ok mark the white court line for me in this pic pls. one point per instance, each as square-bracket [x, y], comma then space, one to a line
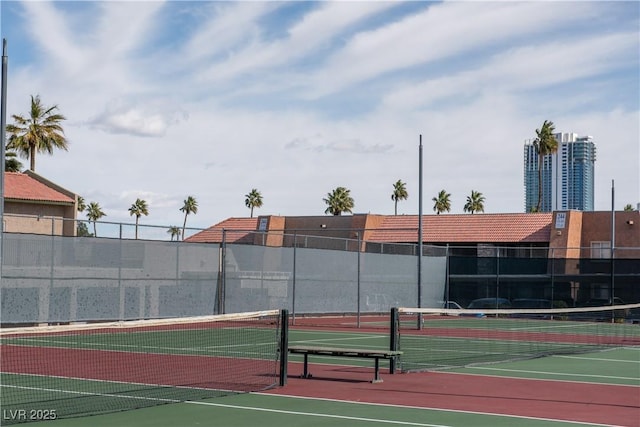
[339, 339]
[597, 358]
[421, 408]
[576, 381]
[554, 373]
[312, 414]
[347, 335]
[88, 393]
[128, 383]
[192, 351]
[316, 414]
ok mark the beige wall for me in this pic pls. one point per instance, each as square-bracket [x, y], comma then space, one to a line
[39, 218]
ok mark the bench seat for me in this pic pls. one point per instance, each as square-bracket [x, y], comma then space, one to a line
[344, 352]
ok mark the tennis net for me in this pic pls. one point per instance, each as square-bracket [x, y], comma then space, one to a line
[77, 370]
[433, 339]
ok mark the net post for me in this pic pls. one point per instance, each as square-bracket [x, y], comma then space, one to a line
[284, 346]
[393, 337]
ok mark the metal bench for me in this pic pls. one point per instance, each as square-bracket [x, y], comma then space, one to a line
[346, 352]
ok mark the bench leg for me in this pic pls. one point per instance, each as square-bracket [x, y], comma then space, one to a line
[305, 372]
[376, 377]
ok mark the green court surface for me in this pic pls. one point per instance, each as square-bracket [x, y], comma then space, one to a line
[259, 410]
[618, 366]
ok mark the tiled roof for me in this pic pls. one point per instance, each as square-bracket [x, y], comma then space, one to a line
[464, 228]
[21, 186]
[448, 228]
[236, 230]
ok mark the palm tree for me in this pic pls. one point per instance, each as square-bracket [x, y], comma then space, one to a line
[41, 132]
[190, 206]
[629, 207]
[545, 143]
[81, 229]
[253, 200]
[11, 164]
[174, 230]
[475, 202]
[399, 193]
[138, 208]
[82, 205]
[94, 213]
[442, 203]
[339, 201]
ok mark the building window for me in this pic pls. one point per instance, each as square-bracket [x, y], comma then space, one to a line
[600, 250]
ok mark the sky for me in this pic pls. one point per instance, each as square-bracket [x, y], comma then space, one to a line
[165, 100]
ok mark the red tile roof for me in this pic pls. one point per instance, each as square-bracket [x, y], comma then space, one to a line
[466, 228]
[236, 230]
[20, 186]
[448, 228]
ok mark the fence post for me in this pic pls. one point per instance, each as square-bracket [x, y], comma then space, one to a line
[284, 345]
[393, 337]
[293, 291]
[223, 272]
[498, 276]
[358, 279]
[552, 278]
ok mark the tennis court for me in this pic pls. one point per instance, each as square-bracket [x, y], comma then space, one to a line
[206, 366]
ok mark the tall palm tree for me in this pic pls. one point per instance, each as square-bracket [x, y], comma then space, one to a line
[190, 207]
[11, 163]
[40, 132]
[253, 200]
[174, 230]
[442, 202]
[475, 202]
[139, 208]
[339, 201]
[545, 143]
[94, 213]
[628, 207]
[399, 193]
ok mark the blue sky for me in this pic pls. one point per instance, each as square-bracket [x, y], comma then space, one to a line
[212, 99]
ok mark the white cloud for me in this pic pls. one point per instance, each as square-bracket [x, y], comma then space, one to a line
[445, 30]
[523, 69]
[136, 120]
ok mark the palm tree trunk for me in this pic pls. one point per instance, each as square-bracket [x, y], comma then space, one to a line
[137, 218]
[32, 158]
[539, 205]
[184, 224]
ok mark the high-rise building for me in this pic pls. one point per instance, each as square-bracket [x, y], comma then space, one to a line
[567, 175]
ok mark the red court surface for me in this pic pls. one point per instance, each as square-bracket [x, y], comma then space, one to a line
[560, 400]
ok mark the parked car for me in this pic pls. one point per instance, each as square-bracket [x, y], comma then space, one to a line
[489, 303]
[601, 302]
[633, 316]
[531, 303]
[601, 315]
[451, 305]
[485, 304]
